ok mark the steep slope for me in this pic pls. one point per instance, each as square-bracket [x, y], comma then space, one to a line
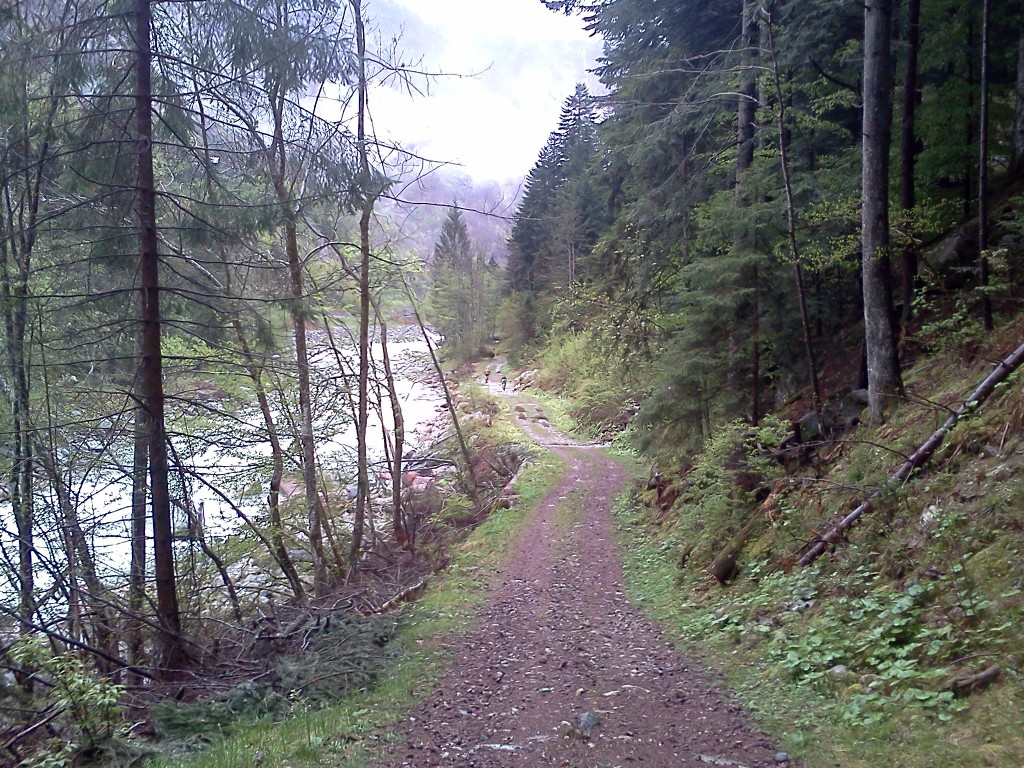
[902, 645]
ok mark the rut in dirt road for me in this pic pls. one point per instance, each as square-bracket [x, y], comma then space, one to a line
[563, 671]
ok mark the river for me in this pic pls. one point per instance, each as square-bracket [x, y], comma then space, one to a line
[220, 454]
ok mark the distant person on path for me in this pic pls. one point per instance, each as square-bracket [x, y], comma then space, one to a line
[504, 382]
[487, 375]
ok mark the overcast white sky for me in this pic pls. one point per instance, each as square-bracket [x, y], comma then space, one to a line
[527, 61]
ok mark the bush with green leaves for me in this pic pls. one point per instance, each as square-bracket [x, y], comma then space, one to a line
[723, 484]
[872, 647]
[889, 652]
[602, 389]
[90, 705]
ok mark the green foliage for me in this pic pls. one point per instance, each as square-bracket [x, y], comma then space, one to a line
[859, 659]
[515, 320]
[951, 319]
[887, 645]
[721, 488]
[837, 656]
[603, 391]
[463, 292]
[91, 704]
[562, 210]
[947, 327]
[691, 261]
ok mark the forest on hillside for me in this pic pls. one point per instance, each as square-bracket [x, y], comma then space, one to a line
[781, 253]
[765, 193]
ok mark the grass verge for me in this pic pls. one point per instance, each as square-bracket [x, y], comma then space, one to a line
[806, 714]
[358, 731]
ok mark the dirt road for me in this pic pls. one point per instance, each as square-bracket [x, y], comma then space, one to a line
[563, 671]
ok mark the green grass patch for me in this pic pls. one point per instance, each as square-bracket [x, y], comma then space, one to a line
[358, 731]
[556, 409]
[783, 639]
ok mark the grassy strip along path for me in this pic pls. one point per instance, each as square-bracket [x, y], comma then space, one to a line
[354, 733]
[561, 669]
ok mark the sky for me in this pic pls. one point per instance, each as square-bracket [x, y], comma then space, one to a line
[509, 64]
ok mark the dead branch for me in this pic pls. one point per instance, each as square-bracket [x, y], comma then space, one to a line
[71, 642]
[923, 452]
[409, 593]
[24, 733]
[966, 684]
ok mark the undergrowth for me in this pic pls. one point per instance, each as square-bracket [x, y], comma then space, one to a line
[299, 731]
[601, 392]
[843, 667]
[871, 656]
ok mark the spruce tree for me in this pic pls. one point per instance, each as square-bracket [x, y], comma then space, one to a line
[456, 295]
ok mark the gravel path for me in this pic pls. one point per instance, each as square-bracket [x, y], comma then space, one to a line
[563, 671]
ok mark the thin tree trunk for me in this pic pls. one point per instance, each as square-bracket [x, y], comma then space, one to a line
[332, 540]
[80, 560]
[755, 391]
[20, 481]
[746, 112]
[398, 524]
[22, 191]
[171, 648]
[1018, 115]
[16, 245]
[306, 439]
[26, 170]
[81, 564]
[746, 108]
[449, 403]
[908, 152]
[363, 476]
[279, 550]
[397, 518]
[279, 163]
[884, 381]
[983, 280]
[137, 569]
[970, 132]
[197, 532]
[801, 290]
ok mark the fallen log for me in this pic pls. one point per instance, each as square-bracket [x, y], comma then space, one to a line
[966, 684]
[923, 452]
[409, 593]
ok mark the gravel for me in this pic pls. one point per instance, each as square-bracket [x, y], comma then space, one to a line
[564, 671]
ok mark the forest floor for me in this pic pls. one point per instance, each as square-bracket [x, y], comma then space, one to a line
[562, 670]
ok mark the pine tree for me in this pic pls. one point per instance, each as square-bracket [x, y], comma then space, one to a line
[457, 298]
[563, 209]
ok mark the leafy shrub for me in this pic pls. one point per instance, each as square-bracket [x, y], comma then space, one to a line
[91, 705]
[726, 478]
[602, 390]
